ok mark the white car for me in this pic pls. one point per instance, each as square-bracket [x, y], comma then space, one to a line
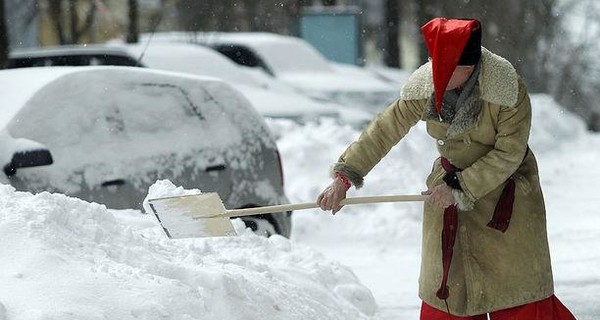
[105, 134]
[271, 98]
[295, 62]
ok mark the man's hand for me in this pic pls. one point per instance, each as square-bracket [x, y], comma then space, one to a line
[440, 195]
[331, 197]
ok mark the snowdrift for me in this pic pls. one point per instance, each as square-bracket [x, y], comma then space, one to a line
[63, 258]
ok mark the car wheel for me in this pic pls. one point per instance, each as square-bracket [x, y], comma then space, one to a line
[261, 227]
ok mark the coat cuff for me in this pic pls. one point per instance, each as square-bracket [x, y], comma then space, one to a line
[463, 202]
[348, 172]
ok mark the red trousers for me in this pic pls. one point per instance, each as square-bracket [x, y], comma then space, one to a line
[547, 309]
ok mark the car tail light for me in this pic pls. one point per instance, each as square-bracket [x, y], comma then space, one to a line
[280, 166]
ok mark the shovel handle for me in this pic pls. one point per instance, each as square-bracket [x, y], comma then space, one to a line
[312, 205]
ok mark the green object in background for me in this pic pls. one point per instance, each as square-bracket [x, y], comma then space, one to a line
[334, 33]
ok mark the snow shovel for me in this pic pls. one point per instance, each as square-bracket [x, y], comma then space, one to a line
[203, 215]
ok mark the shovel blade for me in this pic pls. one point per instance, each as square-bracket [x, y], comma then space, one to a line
[192, 216]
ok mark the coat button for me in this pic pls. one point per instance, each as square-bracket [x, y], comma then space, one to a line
[440, 142]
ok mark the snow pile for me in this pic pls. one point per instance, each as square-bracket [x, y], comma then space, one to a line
[552, 125]
[64, 258]
[308, 153]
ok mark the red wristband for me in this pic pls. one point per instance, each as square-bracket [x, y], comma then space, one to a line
[344, 180]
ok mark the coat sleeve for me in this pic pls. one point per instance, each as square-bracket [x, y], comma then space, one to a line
[389, 127]
[510, 147]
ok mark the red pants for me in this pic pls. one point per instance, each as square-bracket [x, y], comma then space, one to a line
[547, 309]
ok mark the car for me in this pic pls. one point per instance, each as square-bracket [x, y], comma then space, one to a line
[295, 62]
[105, 134]
[270, 98]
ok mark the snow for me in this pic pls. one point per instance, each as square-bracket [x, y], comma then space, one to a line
[15, 94]
[63, 258]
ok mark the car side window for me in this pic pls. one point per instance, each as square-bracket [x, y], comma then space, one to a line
[26, 62]
[73, 60]
[243, 56]
[239, 55]
[115, 60]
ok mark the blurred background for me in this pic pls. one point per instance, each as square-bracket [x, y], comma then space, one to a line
[551, 42]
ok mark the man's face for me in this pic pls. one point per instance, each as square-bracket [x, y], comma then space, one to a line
[460, 75]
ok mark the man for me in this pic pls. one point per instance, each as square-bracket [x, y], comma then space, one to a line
[484, 248]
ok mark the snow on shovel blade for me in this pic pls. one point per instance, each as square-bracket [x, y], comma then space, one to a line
[198, 215]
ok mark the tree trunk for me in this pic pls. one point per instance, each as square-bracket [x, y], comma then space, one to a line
[423, 16]
[55, 12]
[132, 30]
[73, 20]
[3, 38]
[392, 27]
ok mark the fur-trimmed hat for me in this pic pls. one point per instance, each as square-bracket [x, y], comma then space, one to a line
[450, 42]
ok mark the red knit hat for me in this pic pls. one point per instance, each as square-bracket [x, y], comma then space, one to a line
[446, 39]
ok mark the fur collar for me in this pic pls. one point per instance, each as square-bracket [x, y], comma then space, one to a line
[462, 117]
[498, 81]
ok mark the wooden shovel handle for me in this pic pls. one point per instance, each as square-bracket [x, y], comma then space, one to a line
[312, 205]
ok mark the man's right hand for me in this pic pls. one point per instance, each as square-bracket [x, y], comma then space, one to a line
[331, 197]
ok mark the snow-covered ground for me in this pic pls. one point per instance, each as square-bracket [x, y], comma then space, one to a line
[63, 258]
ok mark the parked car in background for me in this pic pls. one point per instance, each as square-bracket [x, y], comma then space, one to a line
[105, 134]
[271, 98]
[295, 62]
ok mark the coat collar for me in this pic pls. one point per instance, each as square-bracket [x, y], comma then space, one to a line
[463, 116]
[498, 81]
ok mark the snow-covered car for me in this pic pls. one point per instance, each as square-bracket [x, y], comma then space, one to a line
[271, 98]
[295, 62]
[105, 134]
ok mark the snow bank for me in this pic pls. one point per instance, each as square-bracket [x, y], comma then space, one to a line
[63, 258]
[552, 125]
